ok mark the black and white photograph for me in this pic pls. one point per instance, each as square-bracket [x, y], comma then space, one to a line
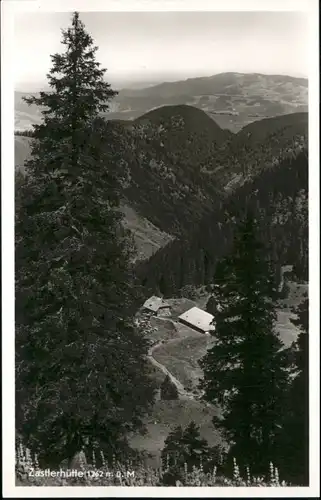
[160, 241]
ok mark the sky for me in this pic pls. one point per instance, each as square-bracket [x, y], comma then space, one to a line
[166, 46]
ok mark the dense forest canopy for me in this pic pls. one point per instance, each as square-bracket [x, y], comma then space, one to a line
[280, 200]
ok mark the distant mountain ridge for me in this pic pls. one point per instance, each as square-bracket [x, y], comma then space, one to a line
[228, 83]
[232, 99]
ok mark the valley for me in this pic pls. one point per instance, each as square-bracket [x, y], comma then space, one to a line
[189, 171]
[175, 351]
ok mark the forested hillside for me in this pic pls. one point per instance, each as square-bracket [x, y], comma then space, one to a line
[177, 163]
[278, 196]
[265, 144]
[170, 147]
[181, 163]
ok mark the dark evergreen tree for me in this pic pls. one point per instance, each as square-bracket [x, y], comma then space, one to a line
[173, 452]
[185, 448]
[168, 390]
[211, 305]
[81, 372]
[24, 133]
[196, 449]
[295, 435]
[246, 372]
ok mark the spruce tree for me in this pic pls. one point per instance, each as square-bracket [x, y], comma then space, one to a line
[246, 372]
[173, 453]
[81, 372]
[185, 447]
[195, 448]
[168, 390]
[295, 433]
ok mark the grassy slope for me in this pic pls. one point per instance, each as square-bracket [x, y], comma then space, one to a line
[180, 357]
[148, 238]
[167, 415]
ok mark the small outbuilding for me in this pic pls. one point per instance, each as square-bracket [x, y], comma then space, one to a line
[197, 319]
[157, 306]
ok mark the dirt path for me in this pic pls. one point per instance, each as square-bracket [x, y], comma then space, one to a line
[183, 393]
[180, 388]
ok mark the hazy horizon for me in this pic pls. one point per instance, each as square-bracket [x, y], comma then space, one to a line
[142, 48]
[131, 84]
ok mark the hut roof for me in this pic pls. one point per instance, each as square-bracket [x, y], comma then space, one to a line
[155, 303]
[198, 318]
